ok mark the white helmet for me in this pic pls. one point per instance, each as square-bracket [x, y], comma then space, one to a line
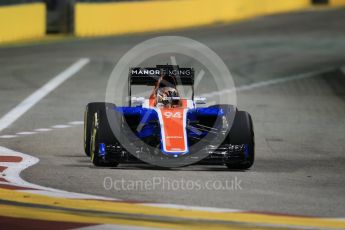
[168, 96]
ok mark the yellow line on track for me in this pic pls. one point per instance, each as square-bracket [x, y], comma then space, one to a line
[49, 215]
[185, 216]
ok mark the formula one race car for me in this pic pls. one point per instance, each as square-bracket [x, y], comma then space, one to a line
[165, 129]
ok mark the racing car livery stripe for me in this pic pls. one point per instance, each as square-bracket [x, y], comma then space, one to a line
[173, 129]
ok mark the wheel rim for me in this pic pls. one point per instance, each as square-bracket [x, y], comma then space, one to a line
[93, 138]
[85, 128]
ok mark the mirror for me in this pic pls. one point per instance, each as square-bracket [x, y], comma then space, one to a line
[137, 100]
[200, 100]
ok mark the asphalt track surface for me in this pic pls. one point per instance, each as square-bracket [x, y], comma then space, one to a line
[299, 124]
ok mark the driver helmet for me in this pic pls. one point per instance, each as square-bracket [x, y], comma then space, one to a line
[168, 97]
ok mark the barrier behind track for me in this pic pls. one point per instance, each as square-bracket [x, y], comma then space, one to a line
[23, 21]
[94, 19]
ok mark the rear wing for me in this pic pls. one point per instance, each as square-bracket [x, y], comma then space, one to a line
[149, 76]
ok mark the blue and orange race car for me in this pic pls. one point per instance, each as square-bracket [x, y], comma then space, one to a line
[165, 129]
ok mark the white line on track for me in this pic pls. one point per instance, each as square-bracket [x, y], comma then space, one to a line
[76, 122]
[42, 130]
[30, 101]
[267, 83]
[25, 133]
[12, 175]
[60, 126]
[8, 136]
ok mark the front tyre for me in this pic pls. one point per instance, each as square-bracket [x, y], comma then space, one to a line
[89, 113]
[242, 133]
[100, 133]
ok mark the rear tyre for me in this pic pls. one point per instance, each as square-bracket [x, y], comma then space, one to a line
[242, 133]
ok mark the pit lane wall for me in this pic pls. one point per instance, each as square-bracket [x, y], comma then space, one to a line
[100, 19]
[22, 22]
